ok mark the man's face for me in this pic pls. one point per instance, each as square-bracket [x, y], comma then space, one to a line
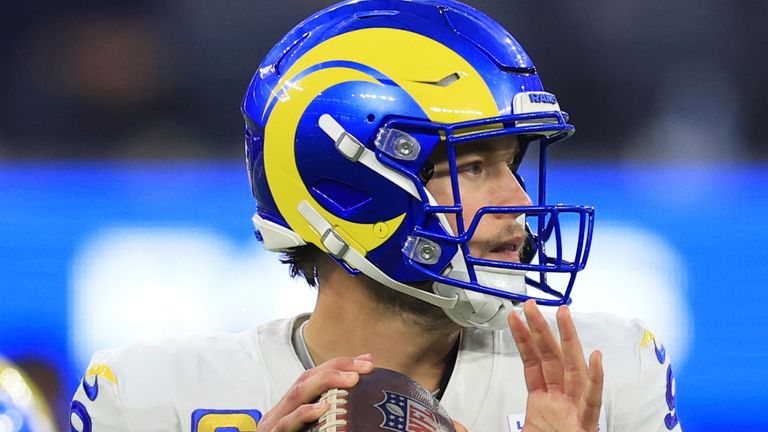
[486, 178]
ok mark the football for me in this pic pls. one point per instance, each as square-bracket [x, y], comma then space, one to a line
[383, 400]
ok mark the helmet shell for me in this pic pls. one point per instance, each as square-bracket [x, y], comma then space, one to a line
[367, 64]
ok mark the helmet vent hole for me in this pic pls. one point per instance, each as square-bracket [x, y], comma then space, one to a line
[443, 82]
[448, 80]
[371, 118]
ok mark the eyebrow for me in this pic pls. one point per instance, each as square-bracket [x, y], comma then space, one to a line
[484, 149]
[468, 149]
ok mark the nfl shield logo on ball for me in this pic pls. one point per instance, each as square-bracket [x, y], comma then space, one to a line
[404, 414]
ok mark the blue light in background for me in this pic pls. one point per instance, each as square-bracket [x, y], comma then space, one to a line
[712, 215]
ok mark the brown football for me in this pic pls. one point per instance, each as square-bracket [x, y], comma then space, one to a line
[383, 400]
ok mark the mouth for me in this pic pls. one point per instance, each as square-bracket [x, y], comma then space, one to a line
[507, 250]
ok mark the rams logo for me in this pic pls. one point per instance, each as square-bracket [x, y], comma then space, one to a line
[204, 420]
[542, 98]
[345, 67]
[661, 353]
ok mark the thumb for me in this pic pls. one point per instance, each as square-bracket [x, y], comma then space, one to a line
[459, 427]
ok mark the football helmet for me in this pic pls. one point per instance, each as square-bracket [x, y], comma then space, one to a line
[341, 119]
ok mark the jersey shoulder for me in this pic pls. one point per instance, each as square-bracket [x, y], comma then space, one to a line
[608, 333]
[147, 385]
[639, 388]
[639, 391]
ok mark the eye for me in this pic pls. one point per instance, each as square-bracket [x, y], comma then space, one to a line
[473, 168]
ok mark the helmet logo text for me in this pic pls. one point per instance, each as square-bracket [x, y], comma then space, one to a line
[542, 98]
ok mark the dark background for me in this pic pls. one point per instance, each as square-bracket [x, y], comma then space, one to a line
[657, 79]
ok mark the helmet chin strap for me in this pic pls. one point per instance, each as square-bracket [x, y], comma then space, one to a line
[479, 310]
[467, 308]
[474, 309]
[337, 247]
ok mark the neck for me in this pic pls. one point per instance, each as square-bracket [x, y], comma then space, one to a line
[347, 321]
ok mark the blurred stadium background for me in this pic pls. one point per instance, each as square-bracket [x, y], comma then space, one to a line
[124, 205]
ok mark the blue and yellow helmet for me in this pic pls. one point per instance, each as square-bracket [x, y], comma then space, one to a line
[340, 120]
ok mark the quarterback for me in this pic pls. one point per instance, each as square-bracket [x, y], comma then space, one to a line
[386, 142]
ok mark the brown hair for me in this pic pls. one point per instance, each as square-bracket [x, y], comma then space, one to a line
[304, 261]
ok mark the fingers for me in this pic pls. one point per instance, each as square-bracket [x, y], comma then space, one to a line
[551, 355]
[311, 388]
[459, 427]
[593, 395]
[529, 354]
[296, 407]
[573, 356]
[342, 372]
[558, 367]
[301, 416]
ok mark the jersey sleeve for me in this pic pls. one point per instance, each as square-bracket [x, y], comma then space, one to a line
[656, 409]
[96, 405]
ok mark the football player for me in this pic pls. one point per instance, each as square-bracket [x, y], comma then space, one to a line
[385, 143]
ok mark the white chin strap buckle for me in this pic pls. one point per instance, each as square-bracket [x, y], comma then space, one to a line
[479, 310]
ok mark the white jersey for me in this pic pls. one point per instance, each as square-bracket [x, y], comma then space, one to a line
[229, 380]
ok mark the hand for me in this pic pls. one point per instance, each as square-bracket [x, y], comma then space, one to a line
[459, 427]
[296, 408]
[563, 394]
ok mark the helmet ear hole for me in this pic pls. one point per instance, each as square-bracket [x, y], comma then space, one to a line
[371, 118]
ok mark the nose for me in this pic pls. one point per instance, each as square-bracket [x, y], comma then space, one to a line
[510, 191]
